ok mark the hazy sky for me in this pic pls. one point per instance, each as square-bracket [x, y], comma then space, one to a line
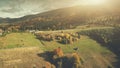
[18, 8]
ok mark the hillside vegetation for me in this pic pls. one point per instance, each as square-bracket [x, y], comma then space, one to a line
[90, 50]
[65, 18]
[31, 41]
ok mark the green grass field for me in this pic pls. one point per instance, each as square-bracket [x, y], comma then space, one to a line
[85, 44]
[14, 40]
[94, 54]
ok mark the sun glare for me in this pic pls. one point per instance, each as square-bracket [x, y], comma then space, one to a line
[91, 2]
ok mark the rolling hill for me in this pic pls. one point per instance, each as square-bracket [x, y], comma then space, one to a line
[66, 18]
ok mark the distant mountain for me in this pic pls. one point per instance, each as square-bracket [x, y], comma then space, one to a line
[69, 17]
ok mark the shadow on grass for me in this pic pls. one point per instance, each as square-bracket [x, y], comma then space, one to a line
[112, 43]
[63, 62]
[48, 56]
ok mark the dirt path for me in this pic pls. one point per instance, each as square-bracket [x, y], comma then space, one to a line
[21, 58]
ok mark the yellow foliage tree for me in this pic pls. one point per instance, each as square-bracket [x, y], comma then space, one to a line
[76, 60]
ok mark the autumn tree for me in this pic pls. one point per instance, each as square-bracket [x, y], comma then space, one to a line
[58, 52]
[76, 60]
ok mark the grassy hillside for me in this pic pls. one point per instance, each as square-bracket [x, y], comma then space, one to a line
[94, 55]
[108, 38]
[13, 40]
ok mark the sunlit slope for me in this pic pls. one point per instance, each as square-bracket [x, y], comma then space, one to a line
[13, 40]
[21, 58]
[70, 17]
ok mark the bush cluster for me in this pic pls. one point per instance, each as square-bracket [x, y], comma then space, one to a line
[61, 37]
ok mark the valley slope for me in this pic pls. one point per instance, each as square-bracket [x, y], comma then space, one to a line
[67, 18]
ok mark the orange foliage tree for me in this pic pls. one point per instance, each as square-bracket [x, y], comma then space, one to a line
[58, 52]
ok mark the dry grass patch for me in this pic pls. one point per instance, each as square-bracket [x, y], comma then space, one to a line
[21, 58]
